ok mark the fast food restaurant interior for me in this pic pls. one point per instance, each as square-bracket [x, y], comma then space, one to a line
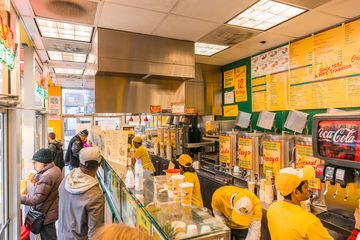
[180, 119]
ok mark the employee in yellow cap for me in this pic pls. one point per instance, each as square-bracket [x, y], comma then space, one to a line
[185, 163]
[287, 219]
[241, 211]
[142, 153]
[131, 136]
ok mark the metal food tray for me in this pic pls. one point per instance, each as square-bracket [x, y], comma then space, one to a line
[337, 222]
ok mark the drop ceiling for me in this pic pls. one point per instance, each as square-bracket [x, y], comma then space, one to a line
[194, 20]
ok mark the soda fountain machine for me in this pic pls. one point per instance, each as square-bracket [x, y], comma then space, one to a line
[336, 141]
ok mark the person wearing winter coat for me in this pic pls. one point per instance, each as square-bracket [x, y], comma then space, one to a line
[45, 197]
[81, 207]
[74, 147]
[56, 148]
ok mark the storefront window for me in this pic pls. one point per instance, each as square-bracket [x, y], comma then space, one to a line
[3, 181]
[77, 101]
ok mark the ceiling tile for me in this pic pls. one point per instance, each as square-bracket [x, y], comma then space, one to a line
[212, 60]
[307, 23]
[228, 35]
[70, 10]
[59, 64]
[156, 5]
[33, 32]
[129, 19]
[218, 11]
[184, 28]
[308, 4]
[237, 53]
[272, 40]
[66, 45]
[343, 8]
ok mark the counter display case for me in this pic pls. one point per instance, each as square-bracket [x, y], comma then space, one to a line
[152, 210]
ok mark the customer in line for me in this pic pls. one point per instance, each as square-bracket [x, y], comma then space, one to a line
[45, 197]
[121, 232]
[185, 163]
[81, 205]
[142, 153]
[240, 210]
[56, 148]
[74, 147]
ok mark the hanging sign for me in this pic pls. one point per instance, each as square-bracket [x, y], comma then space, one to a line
[245, 153]
[231, 110]
[155, 108]
[225, 149]
[240, 84]
[229, 78]
[7, 45]
[272, 156]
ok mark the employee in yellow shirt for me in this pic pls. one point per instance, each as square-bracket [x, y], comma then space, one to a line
[185, 163]
[142, 153]
[241, 211]
[287, 219]
[131, 136]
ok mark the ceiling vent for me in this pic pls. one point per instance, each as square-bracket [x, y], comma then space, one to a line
[60, 45]
[66, 10]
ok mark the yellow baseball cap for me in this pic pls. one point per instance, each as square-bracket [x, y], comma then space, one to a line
[137, 139]
[289, 179]
[131, 134]
[242, 210]
[185, 160]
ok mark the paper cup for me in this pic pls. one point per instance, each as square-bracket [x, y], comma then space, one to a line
[186, 189]
[176, 180]
[169, 174]
[269, 175]
[251, 186]
[269, 194]
[306, 205]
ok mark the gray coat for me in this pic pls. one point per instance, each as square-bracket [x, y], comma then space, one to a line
[45, 197]
[81, 207]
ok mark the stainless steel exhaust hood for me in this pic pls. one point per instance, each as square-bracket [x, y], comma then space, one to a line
[143, 56]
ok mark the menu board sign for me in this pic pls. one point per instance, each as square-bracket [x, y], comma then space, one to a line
[245, 153]
[305, 157]
[225, 149]
[272, 156]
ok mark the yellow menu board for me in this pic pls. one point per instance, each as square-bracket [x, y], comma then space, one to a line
[245, 153]
[231, 110]
[229, 78]
[301, 52]
[305, 157]
[272, 156]
[225, 149]
[240, 84]
[276, 91]
[258, 92]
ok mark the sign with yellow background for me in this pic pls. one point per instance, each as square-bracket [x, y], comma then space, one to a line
[229, 78]
[240, 84]
[231, 110]
[245, 153]
[225, 149]
[305, 157]
[272, 156]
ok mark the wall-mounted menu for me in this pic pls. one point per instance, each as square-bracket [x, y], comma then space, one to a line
[323, 72]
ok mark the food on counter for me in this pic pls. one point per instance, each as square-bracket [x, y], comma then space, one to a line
[152, 207]
[179, 226]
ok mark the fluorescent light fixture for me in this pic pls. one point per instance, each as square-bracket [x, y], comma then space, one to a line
[68, 71]
[207, 49]
[66, 56]
[265, 14]
[53, 29]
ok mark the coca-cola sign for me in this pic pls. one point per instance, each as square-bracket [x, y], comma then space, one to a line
[339, 139]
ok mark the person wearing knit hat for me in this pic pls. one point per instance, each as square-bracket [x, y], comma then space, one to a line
[74, 147]
[81, 203]
[185, 163]
[45, 195]
[142, 153]
[287, 219]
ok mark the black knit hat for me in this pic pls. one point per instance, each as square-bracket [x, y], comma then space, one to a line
[43, 155]
[84, 132]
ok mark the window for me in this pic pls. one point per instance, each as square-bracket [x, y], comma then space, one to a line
[77, 101]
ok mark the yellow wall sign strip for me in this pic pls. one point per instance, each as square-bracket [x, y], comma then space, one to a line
[240, 84]
[231, 110]
[229, 78]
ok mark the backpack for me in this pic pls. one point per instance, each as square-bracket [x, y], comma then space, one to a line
[58, 156]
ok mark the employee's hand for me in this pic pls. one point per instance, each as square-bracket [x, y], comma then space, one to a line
[357, 218]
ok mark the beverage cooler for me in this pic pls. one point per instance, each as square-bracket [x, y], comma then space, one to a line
[249, 155]
[337, 142]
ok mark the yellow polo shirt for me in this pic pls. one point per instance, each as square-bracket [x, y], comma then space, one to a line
[221, 202]
[196, 199]
[143, 154]
[290, 221]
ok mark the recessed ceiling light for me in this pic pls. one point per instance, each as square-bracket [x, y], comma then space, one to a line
[265, 14]
[53, 29]
[66, 56]
[68, 71]
[207, 49]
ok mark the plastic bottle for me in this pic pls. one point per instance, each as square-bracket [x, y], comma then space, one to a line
[139, 174]
[129, 180]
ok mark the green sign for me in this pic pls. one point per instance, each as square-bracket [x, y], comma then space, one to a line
[41, 93]
[7, 57]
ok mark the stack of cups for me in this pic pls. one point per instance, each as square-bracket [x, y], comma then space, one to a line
[161, 149]
[251, 186]
[156, 147]
[262, 190]
[168, 152]
[176, 180]
[169, 174]
[306, 205]
[186, 190]
[269, 194]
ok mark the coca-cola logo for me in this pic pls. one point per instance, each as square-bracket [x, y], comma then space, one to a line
[341, 135]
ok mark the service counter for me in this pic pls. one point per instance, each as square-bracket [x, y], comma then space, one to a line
[153, 211]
